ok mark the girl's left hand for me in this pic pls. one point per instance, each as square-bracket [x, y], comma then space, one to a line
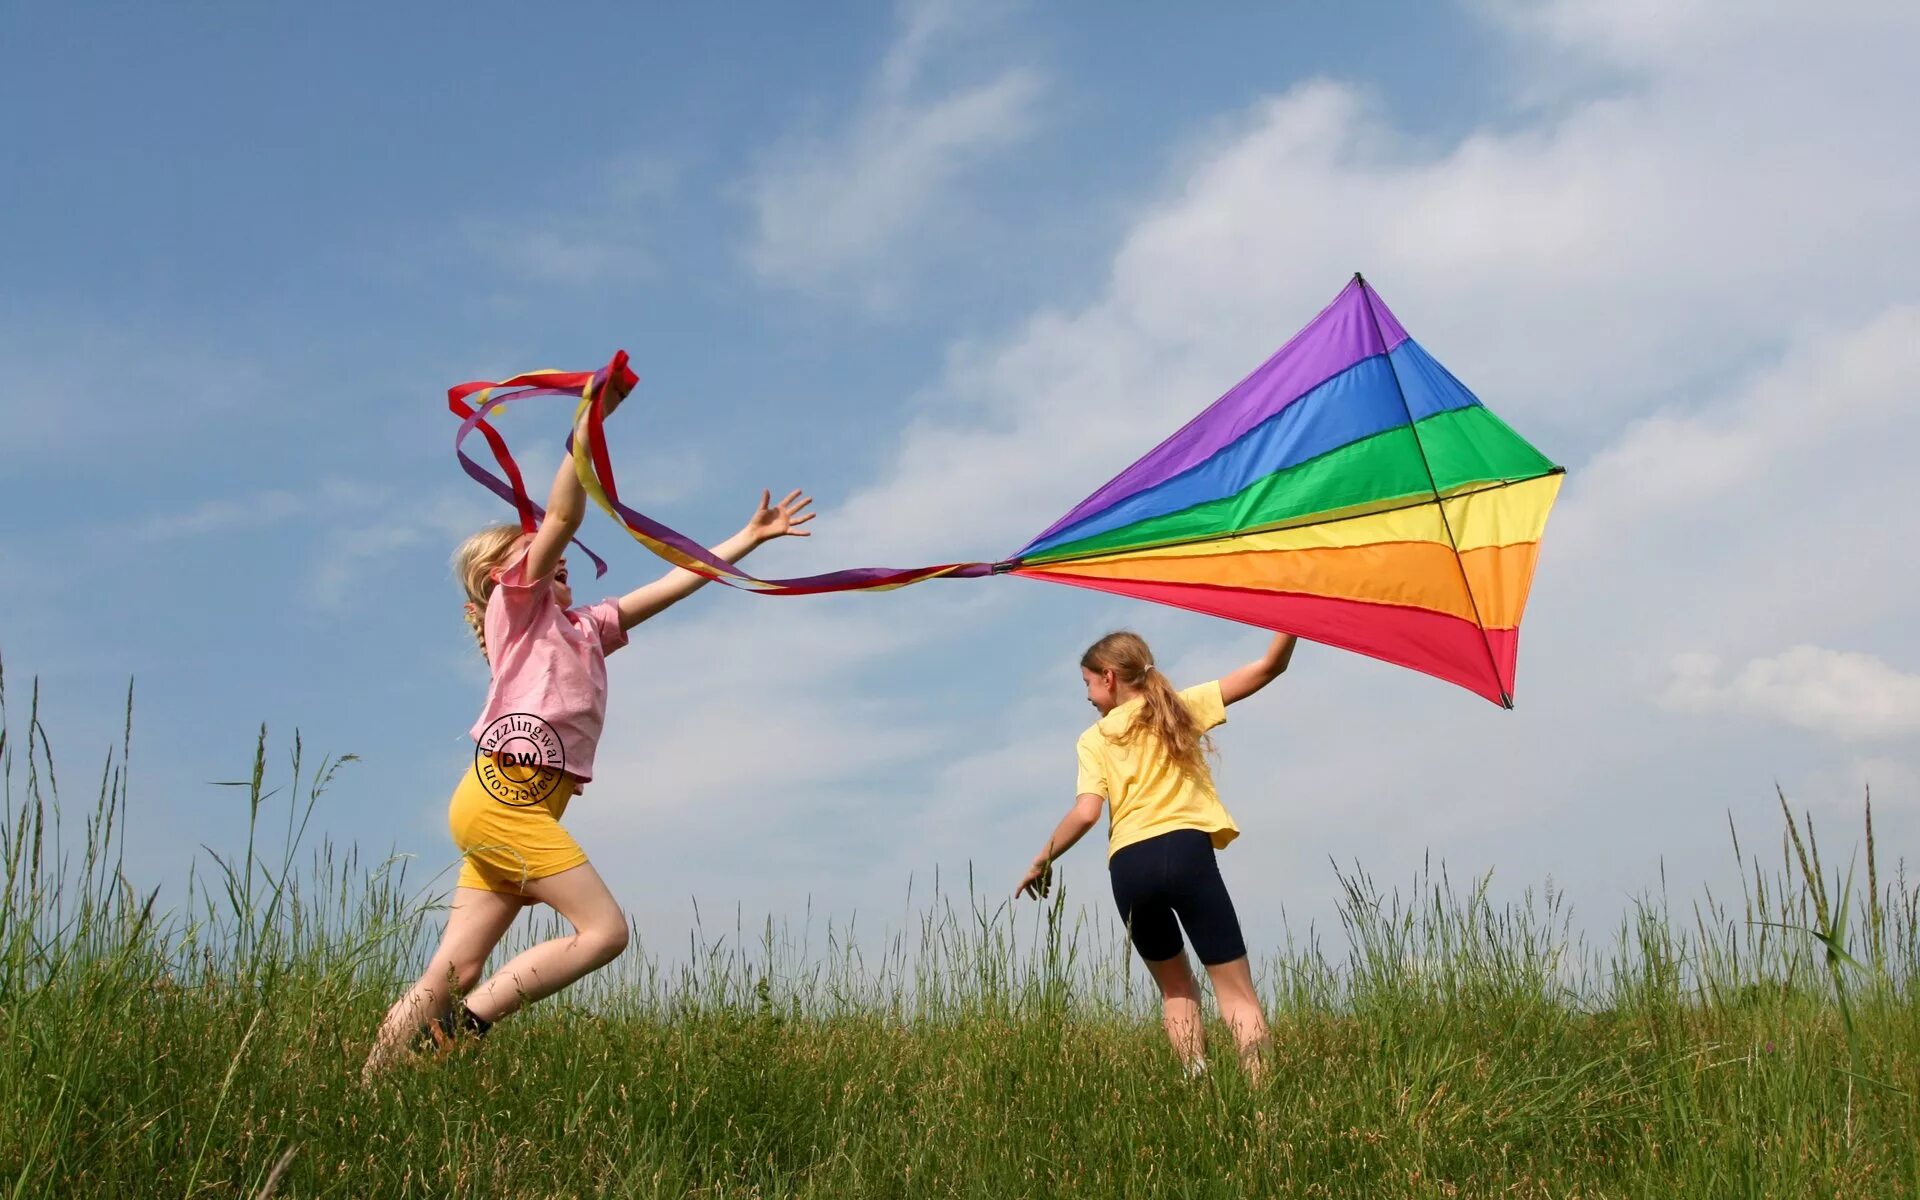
[780, 520]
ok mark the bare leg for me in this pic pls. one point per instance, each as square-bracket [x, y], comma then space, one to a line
[1240, 1009]
[1180, 1009]
[475, 926]
[599, 935]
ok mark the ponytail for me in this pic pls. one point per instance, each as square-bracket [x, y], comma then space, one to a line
[1162, 714]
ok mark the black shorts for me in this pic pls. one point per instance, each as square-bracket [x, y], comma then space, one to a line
[1176, 875]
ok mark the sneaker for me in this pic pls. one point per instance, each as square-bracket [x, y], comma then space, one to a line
[447, 1029]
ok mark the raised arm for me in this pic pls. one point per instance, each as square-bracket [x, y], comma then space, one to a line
[769, 521]
[1242, 682]
[566, 508]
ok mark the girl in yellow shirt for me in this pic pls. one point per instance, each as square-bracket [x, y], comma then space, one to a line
[1146, 757]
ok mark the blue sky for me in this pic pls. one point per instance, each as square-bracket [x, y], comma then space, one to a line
[950, 267]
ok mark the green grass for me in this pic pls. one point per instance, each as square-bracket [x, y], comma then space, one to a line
[1768, 1045]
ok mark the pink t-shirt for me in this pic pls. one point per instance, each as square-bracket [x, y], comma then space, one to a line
[549, 662]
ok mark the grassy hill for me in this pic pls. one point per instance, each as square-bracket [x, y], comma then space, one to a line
[1450, 1047]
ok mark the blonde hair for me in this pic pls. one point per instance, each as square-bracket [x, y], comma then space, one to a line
[474, 564]
[1162, 715]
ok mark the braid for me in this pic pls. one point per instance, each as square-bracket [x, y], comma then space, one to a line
[477, 621]
[474, 564]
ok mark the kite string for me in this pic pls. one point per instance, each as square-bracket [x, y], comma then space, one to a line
[595, 466]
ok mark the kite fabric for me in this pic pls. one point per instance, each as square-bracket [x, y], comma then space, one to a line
[1350, 491]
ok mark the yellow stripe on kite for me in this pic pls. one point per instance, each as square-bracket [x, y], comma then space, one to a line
[1411, 574]
[1503, 516]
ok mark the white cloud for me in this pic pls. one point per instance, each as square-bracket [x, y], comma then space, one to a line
[1577, 270]
[1775, 505]
[850, 210]
[1672, 33]
[730, 695]
[1849, 695]
[1351, 759]
[1693, 286]
[1690, 294]
[743, 737]
[1830, 392]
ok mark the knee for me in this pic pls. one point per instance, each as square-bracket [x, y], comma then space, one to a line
[1180, 993]
[1233, 983]
[605, 942]
[457, 974]
[1176, 981]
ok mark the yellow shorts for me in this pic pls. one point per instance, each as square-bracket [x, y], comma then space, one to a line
[506, 845]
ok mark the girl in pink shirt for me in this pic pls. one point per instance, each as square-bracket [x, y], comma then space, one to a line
[533, 751]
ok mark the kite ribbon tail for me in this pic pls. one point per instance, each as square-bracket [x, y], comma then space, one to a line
[513, 489]
[595, 469]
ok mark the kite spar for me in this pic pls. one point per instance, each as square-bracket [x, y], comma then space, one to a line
[1350, 491]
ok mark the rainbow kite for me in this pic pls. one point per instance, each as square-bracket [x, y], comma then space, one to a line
[1350, 491]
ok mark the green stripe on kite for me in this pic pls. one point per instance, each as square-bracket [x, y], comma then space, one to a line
[1462, 447]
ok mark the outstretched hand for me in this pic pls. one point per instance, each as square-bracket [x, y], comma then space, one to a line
[780, 520]
[1038, 880]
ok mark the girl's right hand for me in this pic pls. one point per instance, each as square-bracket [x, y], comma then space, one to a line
[611, 398]
[1038, 880]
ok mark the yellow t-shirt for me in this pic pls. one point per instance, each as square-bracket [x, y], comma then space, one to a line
[1146, 794]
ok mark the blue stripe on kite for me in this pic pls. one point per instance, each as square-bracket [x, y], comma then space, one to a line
[1429, 387]
[1358, 403]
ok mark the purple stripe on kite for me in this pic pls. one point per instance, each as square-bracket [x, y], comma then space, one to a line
[1343, 334]
[1370, 397]
[1390, 327]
